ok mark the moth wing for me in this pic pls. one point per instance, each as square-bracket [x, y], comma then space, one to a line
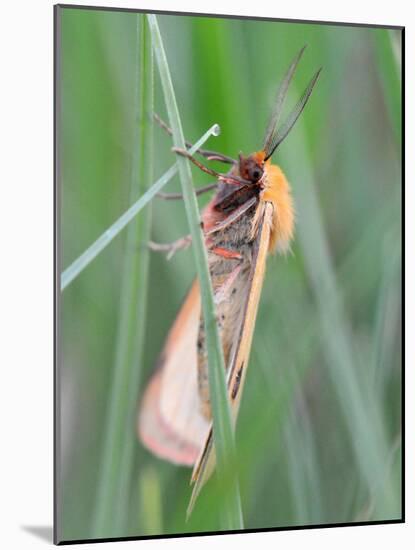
[206, 460]
[170, 423]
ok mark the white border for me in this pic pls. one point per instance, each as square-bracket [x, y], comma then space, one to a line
[26, 272]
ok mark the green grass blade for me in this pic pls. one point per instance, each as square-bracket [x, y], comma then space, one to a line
[386, 321]
[361, 415]
[112, 510]
[390, 75]
[76, 267]
[150, 501]
[222, 426]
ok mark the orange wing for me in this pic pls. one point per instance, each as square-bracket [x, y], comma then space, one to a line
[170, 423]
[242, 345]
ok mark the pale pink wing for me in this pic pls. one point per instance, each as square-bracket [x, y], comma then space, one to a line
[170, 423]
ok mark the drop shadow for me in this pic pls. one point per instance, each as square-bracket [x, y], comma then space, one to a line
[44, 532]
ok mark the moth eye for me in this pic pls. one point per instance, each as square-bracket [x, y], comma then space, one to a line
[256, 174]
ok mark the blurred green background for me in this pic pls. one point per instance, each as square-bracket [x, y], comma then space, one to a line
[319, 431]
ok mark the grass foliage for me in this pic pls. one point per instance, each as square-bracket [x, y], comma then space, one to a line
[221, 414]
[318, 438]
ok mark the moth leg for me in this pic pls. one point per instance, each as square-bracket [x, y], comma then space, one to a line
[201, 166]
[171, 248]
[175, 196]
[225, 178]
[209, 155]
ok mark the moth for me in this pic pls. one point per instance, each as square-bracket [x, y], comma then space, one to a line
[250, 216]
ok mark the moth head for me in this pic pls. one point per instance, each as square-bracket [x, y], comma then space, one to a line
[251, 168]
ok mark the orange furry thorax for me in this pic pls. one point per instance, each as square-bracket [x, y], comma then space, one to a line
[277, 191]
